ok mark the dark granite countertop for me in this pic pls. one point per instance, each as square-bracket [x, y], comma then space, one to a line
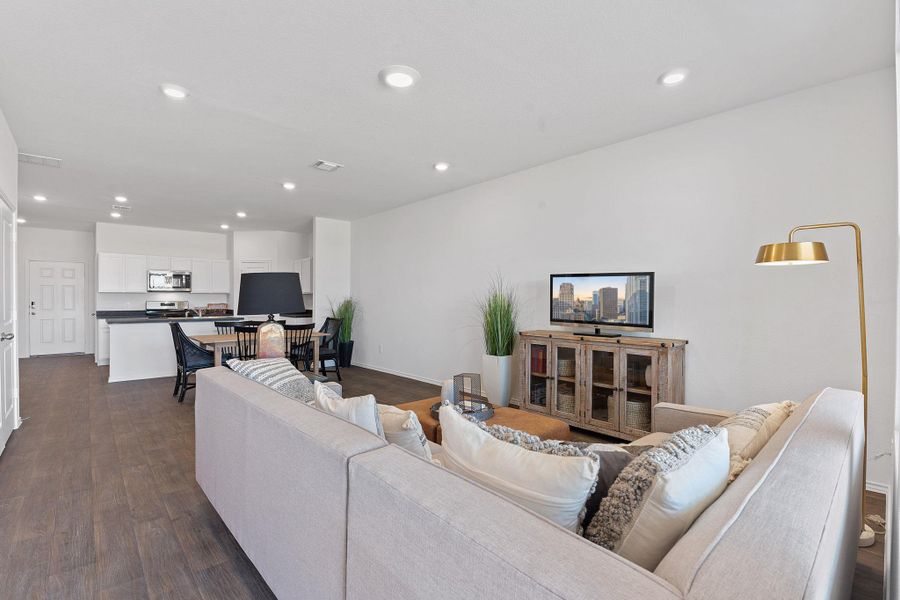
[146, 319]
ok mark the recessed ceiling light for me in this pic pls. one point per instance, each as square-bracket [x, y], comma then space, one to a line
[399, 76]
[40, 198]
[241, 214]
[224, 225]
[115, 215]
[20, 220]
[121, 199]
[288, 185]
[441, 166]
[174, 91]
[673, 77]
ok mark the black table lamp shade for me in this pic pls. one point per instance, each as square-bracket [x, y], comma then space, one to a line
[270, 293]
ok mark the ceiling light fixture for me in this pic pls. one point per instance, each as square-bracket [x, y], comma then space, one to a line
[40, 198]
[672, 78]
[288, 185]
[224, 226]
[441, 166]
[240, 214]
[173, 91]
[399, 77]
[20, 220]
[121, 199]
[115, 215]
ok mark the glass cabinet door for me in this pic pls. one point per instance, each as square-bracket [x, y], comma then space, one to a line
[602, 389]
[537, 376]
[639, 389]
[566, 378]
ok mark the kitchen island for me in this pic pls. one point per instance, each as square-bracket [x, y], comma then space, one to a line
[142, 347]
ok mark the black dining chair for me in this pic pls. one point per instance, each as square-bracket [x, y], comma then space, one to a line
[191, 357]
[297, 342]
[328, 345]
[225, 328]
[246, 340]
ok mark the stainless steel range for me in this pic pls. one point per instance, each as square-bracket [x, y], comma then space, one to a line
[162, 310]
[168, 281]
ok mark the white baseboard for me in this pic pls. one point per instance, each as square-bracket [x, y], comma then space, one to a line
[879, 488]
[398, 373]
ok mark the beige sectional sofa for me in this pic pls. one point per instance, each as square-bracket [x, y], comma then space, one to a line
[325, 509]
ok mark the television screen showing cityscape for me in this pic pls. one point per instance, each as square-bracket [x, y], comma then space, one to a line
[622, 299]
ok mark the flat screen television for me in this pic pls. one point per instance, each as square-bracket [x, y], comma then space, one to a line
[606, 301]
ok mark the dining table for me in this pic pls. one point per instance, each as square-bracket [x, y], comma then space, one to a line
[217, 342]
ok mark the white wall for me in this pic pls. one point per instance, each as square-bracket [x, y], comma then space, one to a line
[282, 248]
[331, 265]
[158, 241]
[36, 243]
[692, 203]
[9, 164]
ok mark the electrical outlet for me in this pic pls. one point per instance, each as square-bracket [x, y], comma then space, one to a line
[380, 348]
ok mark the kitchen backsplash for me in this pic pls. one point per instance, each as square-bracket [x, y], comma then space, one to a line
[137, 301]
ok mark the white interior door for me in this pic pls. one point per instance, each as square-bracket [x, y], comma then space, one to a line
[8, 361]
[57, 307]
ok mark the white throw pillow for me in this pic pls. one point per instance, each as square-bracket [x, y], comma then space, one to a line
[750, 429]
[360, 410]
[553, 486]
[660, 493]
[402, 427]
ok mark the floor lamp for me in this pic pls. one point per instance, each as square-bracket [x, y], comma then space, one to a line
[811, 253]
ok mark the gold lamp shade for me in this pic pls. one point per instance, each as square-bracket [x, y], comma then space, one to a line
[792, 253]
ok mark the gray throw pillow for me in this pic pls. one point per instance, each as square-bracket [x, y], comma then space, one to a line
[278, 374]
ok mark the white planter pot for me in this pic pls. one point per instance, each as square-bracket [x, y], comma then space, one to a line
[496, 378]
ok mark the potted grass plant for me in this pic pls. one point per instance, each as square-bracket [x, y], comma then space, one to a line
[346, 311]
[499, 311]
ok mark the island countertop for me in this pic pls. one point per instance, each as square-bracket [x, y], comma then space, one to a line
[145, 319]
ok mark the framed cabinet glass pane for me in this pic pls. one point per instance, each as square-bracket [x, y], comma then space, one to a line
[639, 391]
[602, 389]
[566, 378]
[538, 376]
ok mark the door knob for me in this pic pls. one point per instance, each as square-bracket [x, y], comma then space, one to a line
[6, 336]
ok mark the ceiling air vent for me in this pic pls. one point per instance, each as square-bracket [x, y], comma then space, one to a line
[41, 161]
[327, 166]
[121, 208]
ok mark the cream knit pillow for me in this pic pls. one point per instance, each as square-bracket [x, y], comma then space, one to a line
[402, 428]
[750, 429]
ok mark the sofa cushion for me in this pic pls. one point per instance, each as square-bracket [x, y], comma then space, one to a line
[660, 493]
[276, 373]
[360, 410]
[750, 429]
[556, 487]
[402, 427]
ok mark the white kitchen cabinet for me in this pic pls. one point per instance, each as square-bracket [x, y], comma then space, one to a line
[304, 267]
[201, 276]
[159, 263]
[181, 264]
[101, 354]
[135, 273]
[110, 272]
[221, 277]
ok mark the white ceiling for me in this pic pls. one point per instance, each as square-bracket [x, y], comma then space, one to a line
[276, 85]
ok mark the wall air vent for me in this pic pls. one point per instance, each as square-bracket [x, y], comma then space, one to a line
[327, 166]
[41, 161]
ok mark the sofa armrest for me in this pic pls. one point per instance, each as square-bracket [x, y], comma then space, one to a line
[669, 418]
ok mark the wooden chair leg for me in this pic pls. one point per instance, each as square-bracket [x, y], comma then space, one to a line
[177, 383]
[337, 369]
[184, 387]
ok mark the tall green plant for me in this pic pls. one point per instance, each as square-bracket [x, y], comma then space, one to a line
[499, 311]
[346, 310]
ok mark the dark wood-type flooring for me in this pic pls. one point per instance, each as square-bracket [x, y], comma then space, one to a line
[98, 497]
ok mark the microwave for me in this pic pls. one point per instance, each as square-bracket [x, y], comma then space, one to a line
[168, 281]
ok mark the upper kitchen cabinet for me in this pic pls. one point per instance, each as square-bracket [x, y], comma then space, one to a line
[201, 275]
[121, 272]
[182, 264]
[110, 272]
[221, 276]
[159, 263]
[304, 267]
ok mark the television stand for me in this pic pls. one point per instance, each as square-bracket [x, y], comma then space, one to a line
[600, 333]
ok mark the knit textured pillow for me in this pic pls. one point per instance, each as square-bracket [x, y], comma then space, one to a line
[278, 374]
[660, 493]
[750, 429]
